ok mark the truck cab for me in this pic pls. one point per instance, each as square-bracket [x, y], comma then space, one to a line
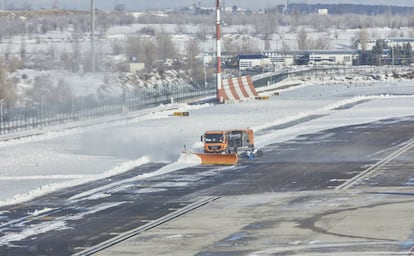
[227, 141]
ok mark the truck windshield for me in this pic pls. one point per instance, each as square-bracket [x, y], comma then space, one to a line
[213, 138]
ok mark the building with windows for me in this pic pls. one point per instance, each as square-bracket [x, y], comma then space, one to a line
[391, 42]
[332, 57]
[312, 57]
[273, 60]
[252, 61]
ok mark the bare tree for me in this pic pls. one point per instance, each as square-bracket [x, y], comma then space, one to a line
[51, 50]
[40, 92]
[180, 29]
[411, 32]
[204, 30]
[133, 48]
[66, 61]
[46, 91]
[62, 93]
[321, 43]
[87, 61]
[7, 88]
[230, 46]
[266, 24]
[393, 33]
[149, 53]
[23, 48]
[363, 39]
[245, 45]
[285, 46]
[117, 47]
[192, 51]
[14, 63]
[166, 48]
[76, 50]
[248, 46]
[7, 51]
[302, 39]
[195, 68]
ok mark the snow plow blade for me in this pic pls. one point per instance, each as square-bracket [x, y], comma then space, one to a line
[218, 159]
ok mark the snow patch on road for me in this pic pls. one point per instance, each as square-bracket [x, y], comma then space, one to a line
[32, 231]
[182, 162]
[60, 223]
[57, 186]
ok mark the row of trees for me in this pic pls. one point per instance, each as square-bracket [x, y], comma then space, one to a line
[266, 23]
[383, 54]
[56, 94]
[154, 47]
[272, 19]
[40, 22]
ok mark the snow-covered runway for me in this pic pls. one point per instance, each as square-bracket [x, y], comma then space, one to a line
[37, 165]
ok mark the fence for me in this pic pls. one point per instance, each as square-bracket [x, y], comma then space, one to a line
[270, 78]
[42, 115]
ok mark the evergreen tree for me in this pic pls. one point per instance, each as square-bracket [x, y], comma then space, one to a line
[377, 51]
[408, 52]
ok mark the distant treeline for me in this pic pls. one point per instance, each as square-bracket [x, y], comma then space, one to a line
[339, 9]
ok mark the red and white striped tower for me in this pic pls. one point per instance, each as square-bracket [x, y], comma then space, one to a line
[220, 93]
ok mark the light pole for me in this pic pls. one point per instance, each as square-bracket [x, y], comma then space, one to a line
[219, 87]
[42, 116]
[93, 36]
[1, 115]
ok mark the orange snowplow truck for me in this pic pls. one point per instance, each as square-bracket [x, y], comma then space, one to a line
[224, 146]
[227, 142]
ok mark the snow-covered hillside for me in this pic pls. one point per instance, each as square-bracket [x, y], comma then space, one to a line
[57, 46]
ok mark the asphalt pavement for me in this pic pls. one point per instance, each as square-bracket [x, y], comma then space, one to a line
[290, 201]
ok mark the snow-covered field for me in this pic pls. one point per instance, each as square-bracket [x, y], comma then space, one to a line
[36, 165]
